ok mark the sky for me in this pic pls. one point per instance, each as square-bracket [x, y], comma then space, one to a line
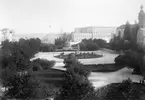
[44, 16]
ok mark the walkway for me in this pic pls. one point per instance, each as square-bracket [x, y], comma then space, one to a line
[98, 79]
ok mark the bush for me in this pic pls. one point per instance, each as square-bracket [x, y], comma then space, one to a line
[46, 90]
[101, 43]
[126, 90]
[15, 68]
[131, 59]
[70, 60]
[76, 86]
[43, 63]
[21, 85]
[87, 45]
[44, 47]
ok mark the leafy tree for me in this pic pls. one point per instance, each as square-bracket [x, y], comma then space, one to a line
[131, 59]
[100, 42]
[77, 85]
[44, 47]
[60, 42]
[43, 64]
[129, 40]
[15, 68]
[127, 32]
[134, 36]
[88, 45]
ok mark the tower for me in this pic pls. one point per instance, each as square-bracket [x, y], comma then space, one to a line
[141, 17]
[141, 31]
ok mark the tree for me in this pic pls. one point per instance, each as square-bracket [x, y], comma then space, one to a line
[16, 68]
[134, 36]
[6, 32]
[127, 32]
[77, 85]
[131, 59]
[89, 45]
[100, 42]
[43, 64]
[60, 42]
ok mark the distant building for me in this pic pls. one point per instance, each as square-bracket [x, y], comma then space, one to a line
[50, 38]
[92, 33]
[141, 32]
[120, 31]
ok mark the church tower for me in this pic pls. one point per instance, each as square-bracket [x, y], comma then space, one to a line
[141, 32]
[141, 17]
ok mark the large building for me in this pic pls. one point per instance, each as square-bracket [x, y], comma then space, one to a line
[93, 33]
[120, 31]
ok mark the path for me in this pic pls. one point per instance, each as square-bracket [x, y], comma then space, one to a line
[98, 79]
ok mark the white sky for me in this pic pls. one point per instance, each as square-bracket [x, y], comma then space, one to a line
[35, 16]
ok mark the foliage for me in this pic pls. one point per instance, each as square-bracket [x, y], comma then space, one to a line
[88, 45]
[44, 47]
[70, 60]
[129, 40]
[135, 29]
[60, 42]
[46, 90]
[127, 32]
[15, 68]
[20, 86]
[100, 42]
[126, 90]
[77, 85]
[80, 55]
[43, 63]
[131, 59]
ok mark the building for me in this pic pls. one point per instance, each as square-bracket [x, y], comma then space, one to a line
[141, 32]
[93, 33]
[120, 31]
[50, 38]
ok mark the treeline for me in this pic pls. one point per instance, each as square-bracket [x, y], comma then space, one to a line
[92, 44]
[36, 42]
[17, 70]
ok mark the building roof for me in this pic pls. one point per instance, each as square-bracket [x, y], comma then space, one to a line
[121, 27]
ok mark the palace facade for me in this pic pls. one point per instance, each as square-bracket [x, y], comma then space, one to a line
[92, 33]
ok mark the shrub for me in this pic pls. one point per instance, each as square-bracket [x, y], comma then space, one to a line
[43, 63]
[44, 47]
[19, 86]
[76, 86]
[15, 68]
[88, 45]
[131, 59]
[70, 60]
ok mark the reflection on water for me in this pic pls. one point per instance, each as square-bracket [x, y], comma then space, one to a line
[99, 79]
